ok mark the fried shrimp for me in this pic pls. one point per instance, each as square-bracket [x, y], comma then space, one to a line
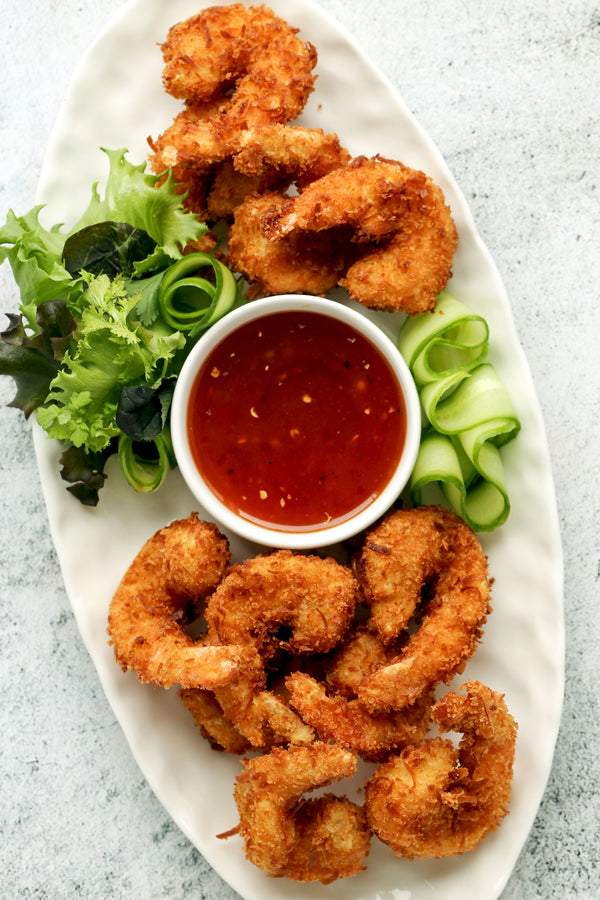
[360, 655]
[346, 721]
[428, 561]
[434, 800]
[271, 158]
[249, 162]
[247, 49]
[370, 195]
[284, 835]
[301, 263]
[228, 188]
[408, 269]
[236, 68]
[178, 146]
[305, 153]
[400, 215]
[177, 567]
[211, 721]
[277, 602]
[303, 604]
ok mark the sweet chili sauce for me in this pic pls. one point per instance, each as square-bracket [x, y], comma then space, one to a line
[296, 421]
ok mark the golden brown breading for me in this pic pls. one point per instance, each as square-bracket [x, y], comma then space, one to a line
[278, 601]
[370, 195]
[310, 598]
[301, 263]
[229, 187]
[410, 267]
[211, 721]
[429, 554]
[287, 836]
[304, 153]
[400, 216]
[345, 721]
[435, 801]
[179, 565]
[247, 49]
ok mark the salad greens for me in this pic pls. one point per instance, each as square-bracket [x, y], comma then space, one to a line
[469, 414]
[109, 311]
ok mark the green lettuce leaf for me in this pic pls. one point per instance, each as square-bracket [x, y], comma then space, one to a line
[85, 472]
[108, 248]
[147, 202]
[111, 351]
[144, 201]
[33, 362]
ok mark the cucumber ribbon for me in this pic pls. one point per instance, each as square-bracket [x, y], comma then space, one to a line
[146, 471]
[469, 414]
[190, 302]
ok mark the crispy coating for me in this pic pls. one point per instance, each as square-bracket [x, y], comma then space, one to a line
[398, 557]
[202, 52]
[346, 721]
[309, 598]
[434, 800]
[263, 717]
[211, 721]
[236, 68]
[360, 655]
[274, 602]
[425, 554]
[410, 268]
[245, 49]
[400, 215]
[180, 565]
[229, 188]
[370, 195]
[301, 263]
[270, 158]
[220, 169]
[190, 143]
[305, 840]
[332, 840]
[306, 153]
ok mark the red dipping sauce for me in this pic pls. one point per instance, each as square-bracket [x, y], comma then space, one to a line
[296, 421]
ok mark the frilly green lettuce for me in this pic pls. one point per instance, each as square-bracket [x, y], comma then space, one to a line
[111, 352]
[143, 200]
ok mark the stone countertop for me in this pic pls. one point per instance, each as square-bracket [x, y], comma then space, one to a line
[509, 93]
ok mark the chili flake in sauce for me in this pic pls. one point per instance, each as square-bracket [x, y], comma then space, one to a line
[296, 421]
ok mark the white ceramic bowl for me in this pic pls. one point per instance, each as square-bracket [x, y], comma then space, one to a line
[272, 536]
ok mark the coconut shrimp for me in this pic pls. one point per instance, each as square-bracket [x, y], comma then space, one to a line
[177, 567]
[360, 655]
[331, 708]
[249, 49]
[370, 195]
[228, 188]
[271, 157]
[178, 146]
[236, 67]
[277, 602]
[428, 561]
[305, 153]
[301, 263]
[346, 721]
[284, 835]
[213, 725]
[408, 269]
[400, 216]
[247, 64]
[435, 800]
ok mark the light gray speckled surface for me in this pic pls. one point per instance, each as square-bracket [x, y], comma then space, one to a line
[510, 94]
